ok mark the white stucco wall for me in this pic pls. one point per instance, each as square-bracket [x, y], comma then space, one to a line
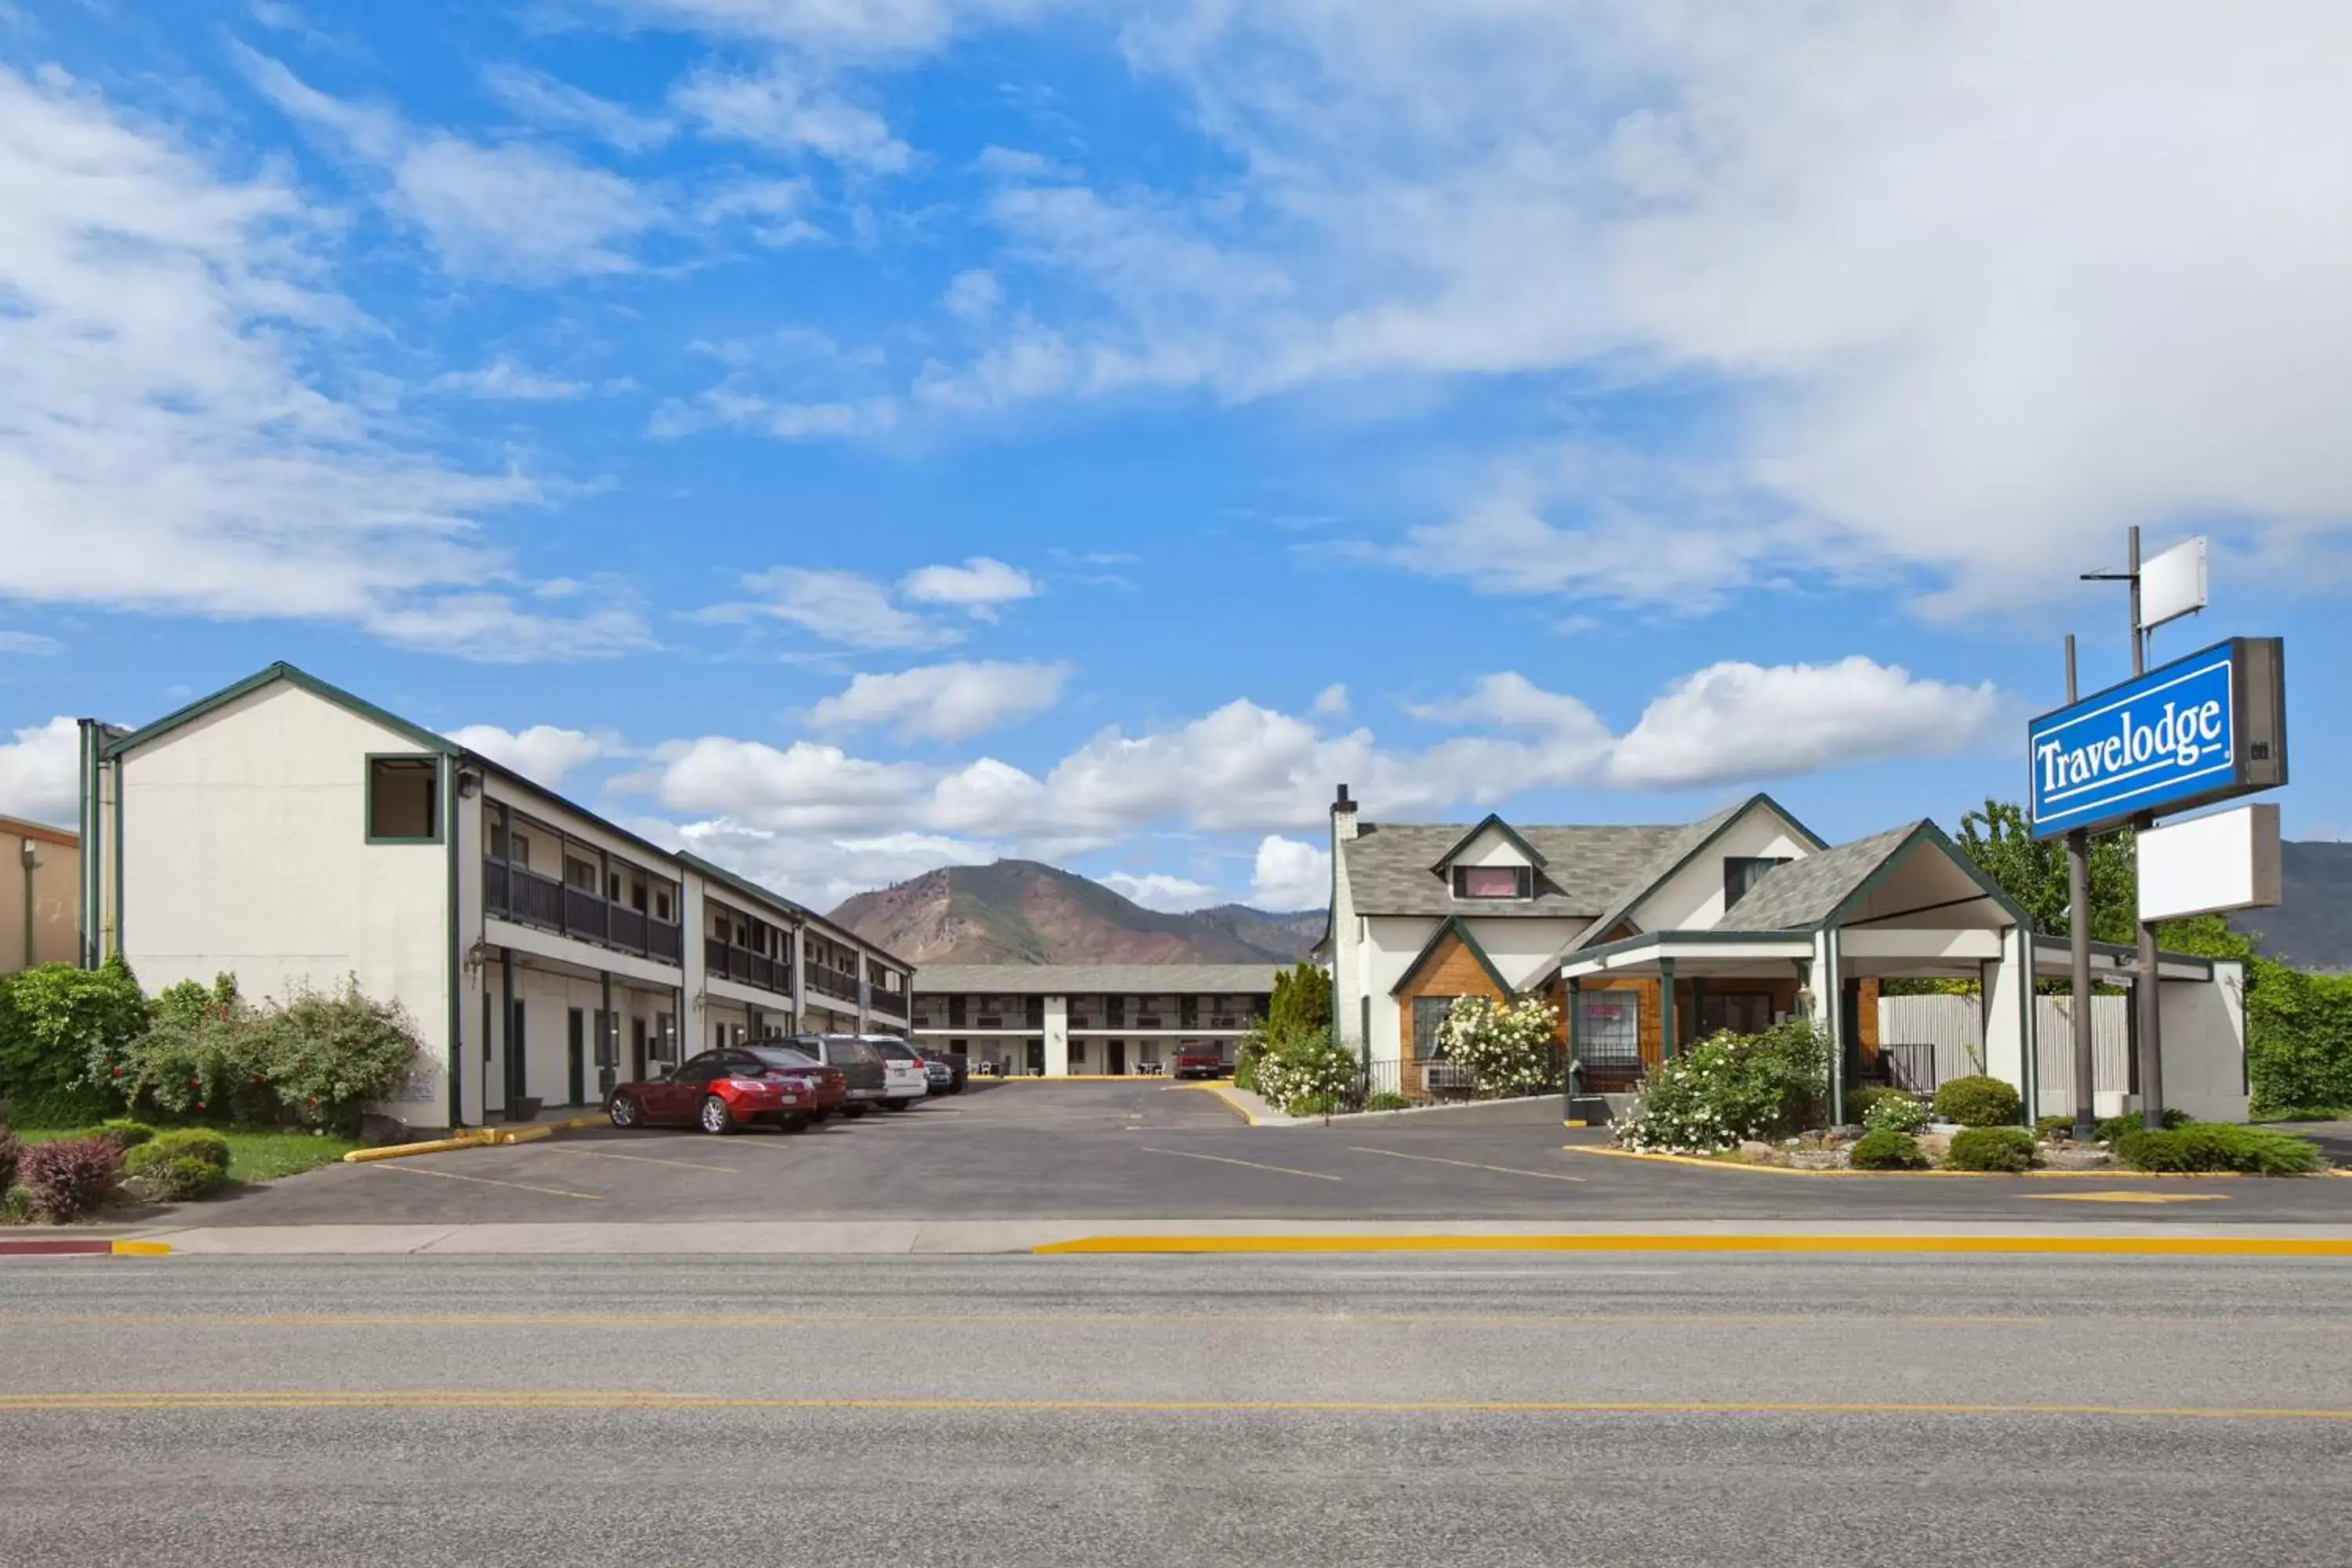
[2204, 1044]
[1692, 899]
[245, 849]
[1347, 956]
[1057, 1034]
[1523, 948]
[1491, 848]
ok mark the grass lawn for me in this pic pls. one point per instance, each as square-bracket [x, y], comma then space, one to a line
[255, 1155]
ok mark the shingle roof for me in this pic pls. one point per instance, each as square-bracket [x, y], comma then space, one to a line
[1659, 866]
[1086, 979]
[1585, 869]
[1804, 892]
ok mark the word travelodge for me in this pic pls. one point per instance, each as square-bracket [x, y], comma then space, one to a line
[2187, 736]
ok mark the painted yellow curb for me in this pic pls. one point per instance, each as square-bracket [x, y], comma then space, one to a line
[2110, 1173]
[474, 1140]
[141, 1248]
[524, 1134]
[2134, 1245]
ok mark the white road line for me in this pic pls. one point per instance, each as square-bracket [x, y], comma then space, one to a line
[1253, 1164]
[1468, 1164]
[484, 1181]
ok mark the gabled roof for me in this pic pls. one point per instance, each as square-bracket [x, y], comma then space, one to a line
[1582, 868]
[1535, 856]
[425, 739]
[1821, 888]
[1454, 928]
[1673, 855]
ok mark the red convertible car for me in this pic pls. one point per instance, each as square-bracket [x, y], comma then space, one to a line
[722, 1090]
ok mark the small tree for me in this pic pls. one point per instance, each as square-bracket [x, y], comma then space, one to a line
[62, 1032]
[1509, 1049]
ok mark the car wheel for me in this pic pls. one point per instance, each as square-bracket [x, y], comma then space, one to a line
[819, 1118]
[716, 1116]
[792, 1122]
[623, 1110]
[853, 1112]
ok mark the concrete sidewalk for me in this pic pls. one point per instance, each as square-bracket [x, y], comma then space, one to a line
[896, 1238]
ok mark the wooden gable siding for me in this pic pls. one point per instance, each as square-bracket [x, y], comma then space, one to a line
[1452, 970]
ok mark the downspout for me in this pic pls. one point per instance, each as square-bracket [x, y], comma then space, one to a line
[32, 862]
[120, 951]
[450, 795]
[85, 858]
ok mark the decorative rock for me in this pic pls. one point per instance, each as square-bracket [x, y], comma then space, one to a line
[1756, 1153]
[1936, 1145]
[1819, 1160]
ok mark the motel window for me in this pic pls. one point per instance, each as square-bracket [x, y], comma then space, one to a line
[1494, 881]
[1609, 1028]
[1428, 1012]
[581, 874]
[1078, 1051]
[404, 800]
[518, 849]
[661, 907]
[1741, 872]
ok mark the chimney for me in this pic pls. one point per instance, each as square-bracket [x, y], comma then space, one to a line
[1343, 816]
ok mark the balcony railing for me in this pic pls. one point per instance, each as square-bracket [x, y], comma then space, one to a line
[892, 1003]
[529, 898]
[832, 983]
[740, 963]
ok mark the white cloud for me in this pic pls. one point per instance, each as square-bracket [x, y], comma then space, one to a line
[513, 211]
[502, 380]
[1158, 890]
[1332, 700]
[973, 296]
[944, 701]
[839, 607]
[783, 110]
[560, 105]
[1511, 701]
[37, 773]
[543, 753]
[818, 870]
[168, 437]
[1736, 723]
[29, 643]
[977, 587]
[775, 207]
[831, 29]
[802, 788]
[1290, 875]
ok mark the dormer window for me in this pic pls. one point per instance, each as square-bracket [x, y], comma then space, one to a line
[1497, 882]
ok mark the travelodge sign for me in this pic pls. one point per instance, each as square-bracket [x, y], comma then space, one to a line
[2199, 730]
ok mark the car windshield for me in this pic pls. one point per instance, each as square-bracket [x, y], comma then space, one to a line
[778, 1056]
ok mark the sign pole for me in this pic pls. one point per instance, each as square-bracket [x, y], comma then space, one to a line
[2078, 928]
[2145, 989]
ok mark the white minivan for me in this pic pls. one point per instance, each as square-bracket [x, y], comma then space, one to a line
[906, 1079]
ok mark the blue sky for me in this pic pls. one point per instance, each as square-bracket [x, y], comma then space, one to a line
[850, 436]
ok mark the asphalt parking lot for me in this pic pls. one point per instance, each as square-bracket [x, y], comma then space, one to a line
[1149, 1150]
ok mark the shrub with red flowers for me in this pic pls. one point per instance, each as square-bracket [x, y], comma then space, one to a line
[315, 1061]
[67, 1180]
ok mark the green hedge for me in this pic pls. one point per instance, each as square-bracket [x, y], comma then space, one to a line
[2218, 1146]
[181, 1144]
[62, 1027]
[1991, 1149]
[1978, 1101]
[1887, 1150]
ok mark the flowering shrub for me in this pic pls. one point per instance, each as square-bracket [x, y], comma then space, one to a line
[67, 1180]
[317, 1061]
[1732, 1087]
[1505, 1050]
[1309, 1075]
[1896, 1113]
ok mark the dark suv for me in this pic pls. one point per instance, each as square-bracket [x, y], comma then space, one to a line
[859, 1062]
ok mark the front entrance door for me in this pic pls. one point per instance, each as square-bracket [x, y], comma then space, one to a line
[637, 1049]
[1116, 1064]
[575, 1056]
[1037, 1057]
[515, 1076]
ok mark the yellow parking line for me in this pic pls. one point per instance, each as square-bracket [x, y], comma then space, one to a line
[1253, 1164]
[2135, 1245]
[592, 1399]
[492, 1182]
[644, 1160]
[2124, 1197]
[1466, 1165]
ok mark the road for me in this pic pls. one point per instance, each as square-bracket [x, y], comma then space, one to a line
[1359, 1411]
[1148, 1150]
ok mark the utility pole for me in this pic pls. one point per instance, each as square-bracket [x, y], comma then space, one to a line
[2078, 931]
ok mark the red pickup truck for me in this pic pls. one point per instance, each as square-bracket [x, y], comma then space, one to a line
[1195, 1061]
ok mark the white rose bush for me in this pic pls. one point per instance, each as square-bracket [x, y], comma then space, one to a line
[1503, 1049]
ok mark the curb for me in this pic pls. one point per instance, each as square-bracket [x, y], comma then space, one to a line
[84, 1246]
[2110, 1175]
[480, 1138]
[2128, 1246]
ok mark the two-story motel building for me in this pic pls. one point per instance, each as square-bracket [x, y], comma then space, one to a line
[1061, 1020]
[293, 835]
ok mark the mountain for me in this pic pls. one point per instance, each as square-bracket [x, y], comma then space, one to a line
[2312, 926]
[1021, 911]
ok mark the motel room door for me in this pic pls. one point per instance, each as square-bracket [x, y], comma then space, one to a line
[1116, 1062]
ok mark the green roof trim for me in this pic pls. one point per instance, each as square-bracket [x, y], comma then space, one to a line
[1452, 925]
[1624, 908]
[1927, 832]
[1495, 821]
[425, 739]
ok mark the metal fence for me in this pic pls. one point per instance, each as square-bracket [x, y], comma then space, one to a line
[1437, 1082]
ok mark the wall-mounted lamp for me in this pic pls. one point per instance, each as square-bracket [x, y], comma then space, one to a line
[469, 784]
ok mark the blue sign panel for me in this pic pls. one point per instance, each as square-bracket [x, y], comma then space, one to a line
[2199, 730]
